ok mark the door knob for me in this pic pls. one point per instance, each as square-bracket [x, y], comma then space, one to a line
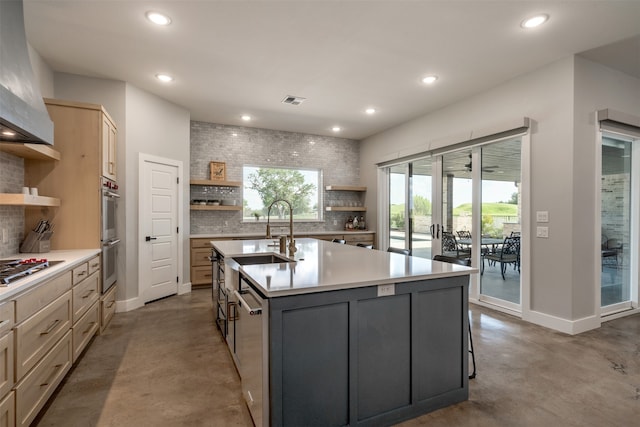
[149, 238]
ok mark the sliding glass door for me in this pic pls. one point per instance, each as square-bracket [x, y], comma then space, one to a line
[410, 207]
[616, 219]
[398, 206]
[464, 203]
[500, 213]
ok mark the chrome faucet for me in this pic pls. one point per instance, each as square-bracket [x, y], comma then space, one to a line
[292, 242]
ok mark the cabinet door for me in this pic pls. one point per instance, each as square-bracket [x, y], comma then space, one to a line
[108, 149]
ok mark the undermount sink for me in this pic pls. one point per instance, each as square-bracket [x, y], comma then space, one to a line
[261, 259]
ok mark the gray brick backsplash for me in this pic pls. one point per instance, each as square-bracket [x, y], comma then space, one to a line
[338, 158]
[11, 217]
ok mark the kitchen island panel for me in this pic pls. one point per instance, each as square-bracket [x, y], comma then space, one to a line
[394, 349]
[440, 371]
[384, 354]
[315, 343]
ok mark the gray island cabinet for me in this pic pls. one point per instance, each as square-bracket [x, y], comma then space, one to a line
[350, 336]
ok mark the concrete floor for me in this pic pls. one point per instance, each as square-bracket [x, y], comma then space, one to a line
[166, 365]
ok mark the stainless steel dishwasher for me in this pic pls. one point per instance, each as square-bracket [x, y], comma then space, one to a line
[251, 331]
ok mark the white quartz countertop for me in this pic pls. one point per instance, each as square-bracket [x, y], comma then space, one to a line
[324, 266]
[71, 258]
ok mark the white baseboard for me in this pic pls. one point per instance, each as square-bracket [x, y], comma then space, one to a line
[128, 305]
[184, 288]
[571, 327]
[134, 303]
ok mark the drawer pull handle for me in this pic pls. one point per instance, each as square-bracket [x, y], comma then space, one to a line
[111, 304]
[88, 293]
[4, 322]
[82, 273]
[53, 374]
[89, 328]
[96, 265]
[207, 275]
[51, 328]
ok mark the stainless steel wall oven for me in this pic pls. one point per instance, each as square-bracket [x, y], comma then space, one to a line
[109, 234]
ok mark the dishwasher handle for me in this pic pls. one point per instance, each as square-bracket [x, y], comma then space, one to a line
[253, 311]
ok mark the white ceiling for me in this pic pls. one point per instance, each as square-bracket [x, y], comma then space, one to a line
[243, 57]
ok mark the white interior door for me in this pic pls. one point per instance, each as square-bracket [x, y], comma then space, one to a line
[158, 225]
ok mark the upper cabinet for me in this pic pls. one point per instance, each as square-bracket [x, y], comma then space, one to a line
[109, 134]
[85, 135]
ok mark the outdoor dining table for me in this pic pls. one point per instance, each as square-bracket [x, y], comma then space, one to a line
[485, 241]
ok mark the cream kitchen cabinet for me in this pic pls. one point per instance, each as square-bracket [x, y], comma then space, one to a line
[85, 136]
[107, 308]
[7, 379]
[85, 308]
[109, 138]
[43, 350]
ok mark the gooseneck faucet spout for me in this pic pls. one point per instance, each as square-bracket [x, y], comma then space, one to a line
[292, 242]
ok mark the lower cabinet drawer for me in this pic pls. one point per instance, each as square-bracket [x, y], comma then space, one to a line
[85, 294]
[36, 335]
[201, 275]
[107, 308]
[359, 238]
[8, 410]
[38, 385]
[6, 364]
[85, 329]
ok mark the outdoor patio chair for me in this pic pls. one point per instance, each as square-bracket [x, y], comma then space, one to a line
[451, 247]
[508, 254]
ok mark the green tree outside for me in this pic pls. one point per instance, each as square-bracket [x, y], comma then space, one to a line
[272, 184]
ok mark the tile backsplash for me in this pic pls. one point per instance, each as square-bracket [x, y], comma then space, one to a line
[11, 217]
[338, 158]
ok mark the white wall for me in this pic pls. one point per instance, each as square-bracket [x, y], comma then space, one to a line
[596, 87]
[146, 124]
[41, 72]
[563, 285]
[159, 128]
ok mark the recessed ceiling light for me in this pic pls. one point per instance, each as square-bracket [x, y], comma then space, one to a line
[336, 128]
[534, 21]
[8, 133]
[429, 79]
[164, 78]
[370, 111]
[245, 117]
[158, 18]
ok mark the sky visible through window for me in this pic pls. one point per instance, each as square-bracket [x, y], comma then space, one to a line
[492, 191]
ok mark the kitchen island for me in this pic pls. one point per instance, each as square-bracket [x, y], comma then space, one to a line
[348, 335]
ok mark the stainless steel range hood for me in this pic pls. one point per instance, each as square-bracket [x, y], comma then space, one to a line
[22, 111]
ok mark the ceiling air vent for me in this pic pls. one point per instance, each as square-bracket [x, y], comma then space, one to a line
[293, 100]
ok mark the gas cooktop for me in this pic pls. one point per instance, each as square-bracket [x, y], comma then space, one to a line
[13, 270]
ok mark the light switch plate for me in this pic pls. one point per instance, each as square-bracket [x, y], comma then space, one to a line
[542, 232]
[386, 290]
[542, 216]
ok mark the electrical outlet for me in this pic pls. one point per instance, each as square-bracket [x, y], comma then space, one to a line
[335, 222]
[386, 290]
[542, 216]
[5, 235]
[542, 232]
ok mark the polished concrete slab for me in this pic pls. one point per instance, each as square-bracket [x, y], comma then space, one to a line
[166, 365]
